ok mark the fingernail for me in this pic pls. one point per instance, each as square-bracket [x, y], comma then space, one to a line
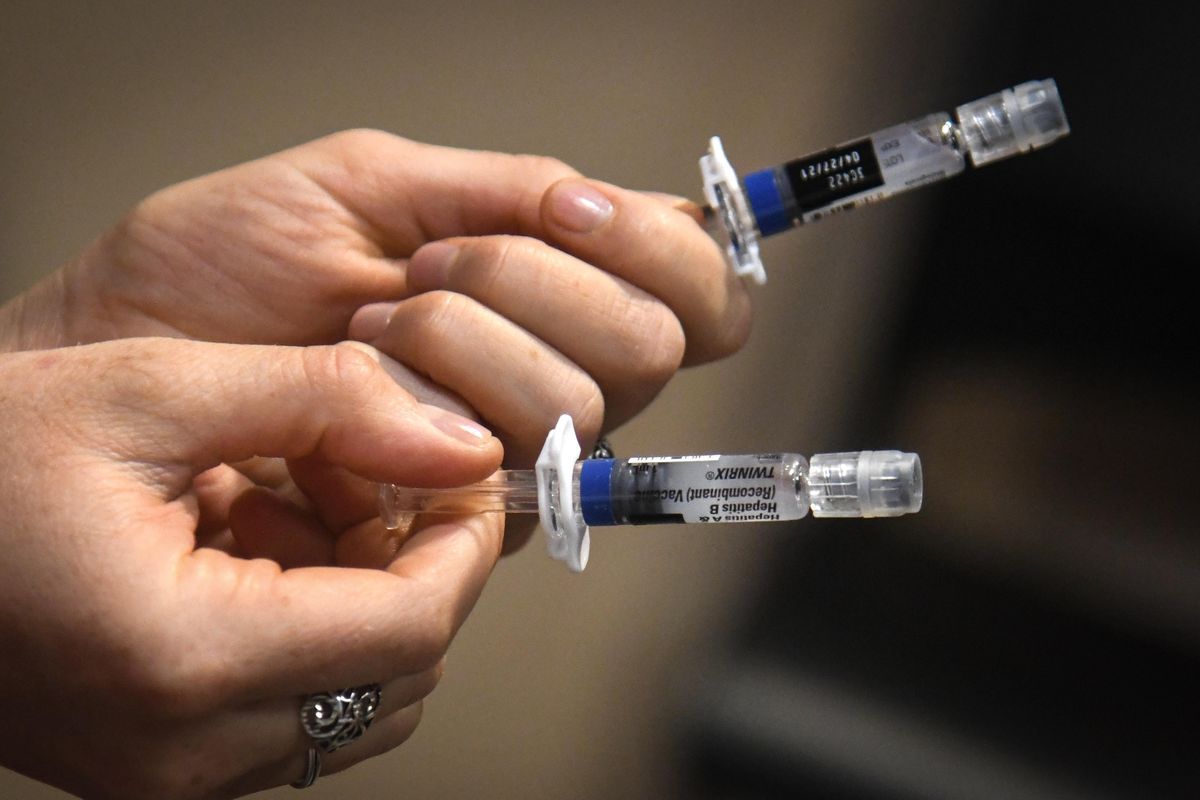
[429, 267]
[578, 206]
[370, 321]
[460, 428]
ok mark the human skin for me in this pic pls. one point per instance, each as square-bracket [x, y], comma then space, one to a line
[506, 288]
[285, 250]
[145, 665]
[177, 510]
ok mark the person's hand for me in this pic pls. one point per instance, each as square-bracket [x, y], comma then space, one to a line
[554, 294]
[141, 664]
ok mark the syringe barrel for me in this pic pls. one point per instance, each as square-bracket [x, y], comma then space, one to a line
[905, 156]
[862, 171]
[747, 488]
[727, 488]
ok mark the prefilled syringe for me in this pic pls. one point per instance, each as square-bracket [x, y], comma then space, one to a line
[872, 167]
[572, 495]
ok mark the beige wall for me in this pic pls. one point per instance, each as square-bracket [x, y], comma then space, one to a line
[559, 685]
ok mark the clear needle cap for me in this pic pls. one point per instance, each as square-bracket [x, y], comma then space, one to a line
[871, 483]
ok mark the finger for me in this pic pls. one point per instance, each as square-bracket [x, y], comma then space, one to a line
[365, 542]
[410, 193]
[416, 384]
[384, 735]
[269, 472]
[221, 540]
[654, 247]
[266, 741]
[278, 720]
[469, 193]
[349, 507]
[216, 489]
[329, 627]
[516, 382]
[518, 528]
[278, 625]
[690, 208]
[622, 336]
[371, 545]
[288, 401]
[338, 497]
[266, 525]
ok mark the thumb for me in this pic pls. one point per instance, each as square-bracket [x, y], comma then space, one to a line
[183, 407]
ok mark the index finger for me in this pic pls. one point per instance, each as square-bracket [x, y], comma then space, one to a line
[657, 248]
[410, 193]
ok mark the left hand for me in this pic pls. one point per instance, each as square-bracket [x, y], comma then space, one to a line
[145, 665]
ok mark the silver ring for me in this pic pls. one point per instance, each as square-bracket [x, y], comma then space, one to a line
[312, 769]
[335, 719]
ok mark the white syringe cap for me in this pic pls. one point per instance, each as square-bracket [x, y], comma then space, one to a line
[871, 483]
[567, 537]
[733, 223]
[1012, 121]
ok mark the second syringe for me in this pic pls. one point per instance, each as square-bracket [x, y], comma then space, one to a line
[873, 167]
[572, 496]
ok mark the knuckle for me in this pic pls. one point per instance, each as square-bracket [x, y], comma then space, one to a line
[584, 401]
[657, 343]
[496, 255]
[424, 320]
[149, 213]
[340, 367]
[354, 139]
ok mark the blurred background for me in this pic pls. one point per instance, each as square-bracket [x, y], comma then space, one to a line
[1034, 632]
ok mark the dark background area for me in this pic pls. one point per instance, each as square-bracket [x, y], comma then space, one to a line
[1035, 631]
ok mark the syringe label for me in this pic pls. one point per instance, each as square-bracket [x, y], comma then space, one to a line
[705, 489]
[695, 493]
[668, 459]
[824, 178]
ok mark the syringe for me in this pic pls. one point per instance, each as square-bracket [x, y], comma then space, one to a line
[572, 495]
[872, 167]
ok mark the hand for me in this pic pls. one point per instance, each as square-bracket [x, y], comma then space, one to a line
[143, 665]
[553, 294]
